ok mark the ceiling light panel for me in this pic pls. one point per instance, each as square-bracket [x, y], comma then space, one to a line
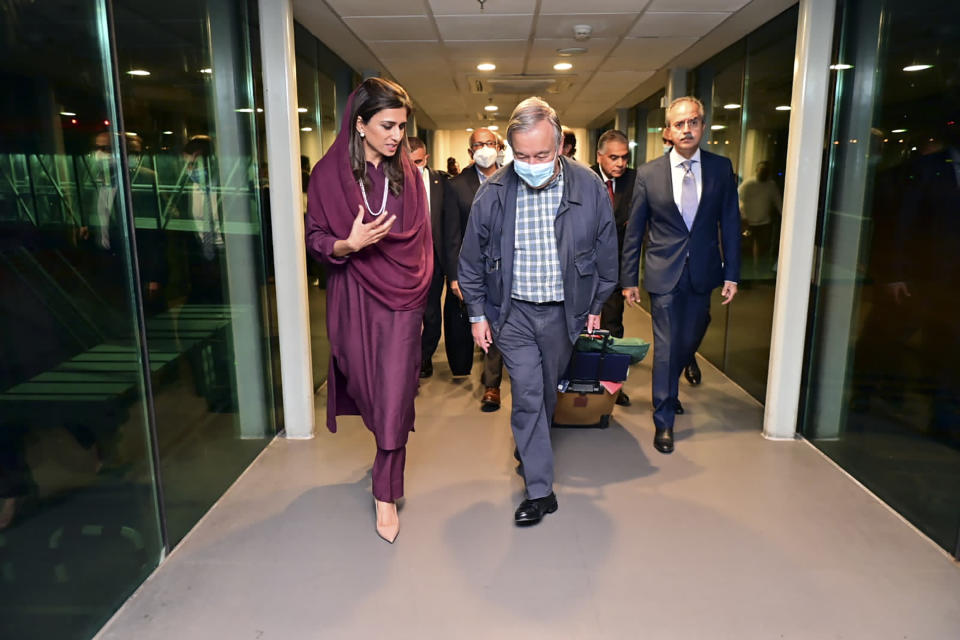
[495, 27]
[664, 24]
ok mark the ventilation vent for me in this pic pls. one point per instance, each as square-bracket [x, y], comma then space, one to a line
[524, 85]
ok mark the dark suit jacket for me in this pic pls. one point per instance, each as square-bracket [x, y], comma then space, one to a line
[654, 215]
[622, 196]
[586, 246]
[437, 192]
[456, 209]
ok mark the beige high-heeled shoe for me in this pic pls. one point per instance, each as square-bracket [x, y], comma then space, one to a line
[387, 531]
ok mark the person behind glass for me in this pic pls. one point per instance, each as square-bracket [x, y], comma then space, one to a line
[434, 184]
[760, 205]
[537, 263]
[484, 148]
[569, 143]
[453, 167]
[202, 207]
[367, 219]
[681, 202]
[613, 154]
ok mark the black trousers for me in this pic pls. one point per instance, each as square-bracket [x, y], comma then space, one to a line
[432, 315]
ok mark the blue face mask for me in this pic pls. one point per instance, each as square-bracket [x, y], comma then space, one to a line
[535, 175]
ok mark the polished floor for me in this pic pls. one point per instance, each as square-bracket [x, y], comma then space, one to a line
[732, 536]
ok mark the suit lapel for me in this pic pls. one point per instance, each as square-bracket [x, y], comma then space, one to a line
[707, 177]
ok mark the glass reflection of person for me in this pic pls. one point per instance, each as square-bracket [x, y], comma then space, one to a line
[368, 221]
[760, 204]
[203, 209]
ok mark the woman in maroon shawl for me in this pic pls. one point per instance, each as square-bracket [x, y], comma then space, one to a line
[367, 218]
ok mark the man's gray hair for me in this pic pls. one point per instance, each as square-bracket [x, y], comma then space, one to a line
[611, 135]
[690, 99]
[528, 114]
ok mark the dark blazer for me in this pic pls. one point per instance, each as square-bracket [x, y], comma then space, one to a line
[586, 246]
[622, 196]
[654, 215]
[456, 210]
[437, 190]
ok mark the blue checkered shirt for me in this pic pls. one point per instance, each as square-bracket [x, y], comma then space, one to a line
[536, 264]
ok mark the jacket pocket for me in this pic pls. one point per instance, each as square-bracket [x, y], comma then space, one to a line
[493, 278]
[586, 281]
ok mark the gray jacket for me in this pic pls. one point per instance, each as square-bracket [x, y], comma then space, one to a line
[586, 245]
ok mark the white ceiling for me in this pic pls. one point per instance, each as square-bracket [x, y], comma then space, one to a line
[432, 47]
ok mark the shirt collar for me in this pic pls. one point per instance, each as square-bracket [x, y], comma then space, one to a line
[603, 176]
[676, 159]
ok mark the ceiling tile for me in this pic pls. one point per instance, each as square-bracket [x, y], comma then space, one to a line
[595, 46]
[487, 27]
[388, 50]
[581, 64]
[482, 50]
[646, 54]
[472, 7]
[349, 8]
[616, 82]
[404, 28]
[697, 5]
[604, 25]
[662, 24]
[562, 7]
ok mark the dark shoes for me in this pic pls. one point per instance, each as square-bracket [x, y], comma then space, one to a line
[532, 511]
[663, 440]
[692, 373]
[426, 369]
[491, 399]
[623, 399]
[678, 409]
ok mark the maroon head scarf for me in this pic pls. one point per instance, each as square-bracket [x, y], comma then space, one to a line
[397, 270]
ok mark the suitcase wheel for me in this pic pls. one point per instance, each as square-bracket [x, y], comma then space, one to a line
[604, 421]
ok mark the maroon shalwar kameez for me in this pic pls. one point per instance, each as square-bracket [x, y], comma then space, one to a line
[375, 302]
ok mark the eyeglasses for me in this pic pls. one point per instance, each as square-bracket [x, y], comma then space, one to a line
[492, 144]
[693, 123]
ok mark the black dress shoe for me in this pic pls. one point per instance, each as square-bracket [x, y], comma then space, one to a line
[623, 399]
[663, 440]
[426, 369]
[678, 408]
[532, 511]
[692, 373]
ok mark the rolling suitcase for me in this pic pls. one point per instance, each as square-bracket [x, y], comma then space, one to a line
[582, 399]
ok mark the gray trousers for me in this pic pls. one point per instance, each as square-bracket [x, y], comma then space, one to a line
[536, 349]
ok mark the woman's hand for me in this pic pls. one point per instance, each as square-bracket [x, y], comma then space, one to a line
[363, 235]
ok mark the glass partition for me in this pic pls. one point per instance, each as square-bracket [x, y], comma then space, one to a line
[882, 391]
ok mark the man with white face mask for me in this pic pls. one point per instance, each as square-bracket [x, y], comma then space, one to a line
[484, 146]
[539, 259]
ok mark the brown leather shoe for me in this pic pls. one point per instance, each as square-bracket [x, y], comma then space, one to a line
[491, 399]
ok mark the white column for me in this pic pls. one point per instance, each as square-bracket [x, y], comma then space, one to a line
[283, 156]
[811, 85]
[676, 84]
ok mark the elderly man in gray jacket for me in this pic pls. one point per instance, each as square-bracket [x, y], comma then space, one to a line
[539, 259]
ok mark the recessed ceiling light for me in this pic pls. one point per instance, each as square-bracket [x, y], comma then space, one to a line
[306, 129]
[486, 66]
[208, 70]
[717, 127]
[563, 66]
[469, 129]
[899, 131]
[783, 107]
[244, 110]
[490, 107]
[841, 66]
[301, 109]
[917, 67]
[732, 105]
[132, 134]
[168, 133]
[259, 110]
[493, 127]
[571, 51]
[69, 114]
[138, 72]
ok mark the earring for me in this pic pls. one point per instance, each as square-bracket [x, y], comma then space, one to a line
[362, 134]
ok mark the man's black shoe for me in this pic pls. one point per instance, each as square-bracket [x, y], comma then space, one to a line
[678, 408]
[692, 373]
[663, 440]
[623, 399]
[426, 368]
[532, 511]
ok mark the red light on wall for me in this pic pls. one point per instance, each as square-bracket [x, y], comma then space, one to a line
[106, 123]
[951, 123]
[73, 121]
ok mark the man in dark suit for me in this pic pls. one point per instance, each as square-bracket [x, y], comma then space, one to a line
[613, 154]
[483, 151]
[538, 262]
[683, 203]
[432, 319]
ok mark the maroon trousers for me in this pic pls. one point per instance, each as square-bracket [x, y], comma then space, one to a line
[388, 474]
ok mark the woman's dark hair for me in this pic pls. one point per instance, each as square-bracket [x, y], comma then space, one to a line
[452, 168]
[371, 97]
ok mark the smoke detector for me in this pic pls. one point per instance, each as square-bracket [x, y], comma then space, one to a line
[582, 32]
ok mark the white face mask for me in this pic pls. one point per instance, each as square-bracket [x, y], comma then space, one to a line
[485, 157]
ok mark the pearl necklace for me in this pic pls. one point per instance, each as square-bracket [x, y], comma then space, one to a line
[383, 203]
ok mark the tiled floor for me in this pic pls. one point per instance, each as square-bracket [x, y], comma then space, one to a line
[732, 536]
